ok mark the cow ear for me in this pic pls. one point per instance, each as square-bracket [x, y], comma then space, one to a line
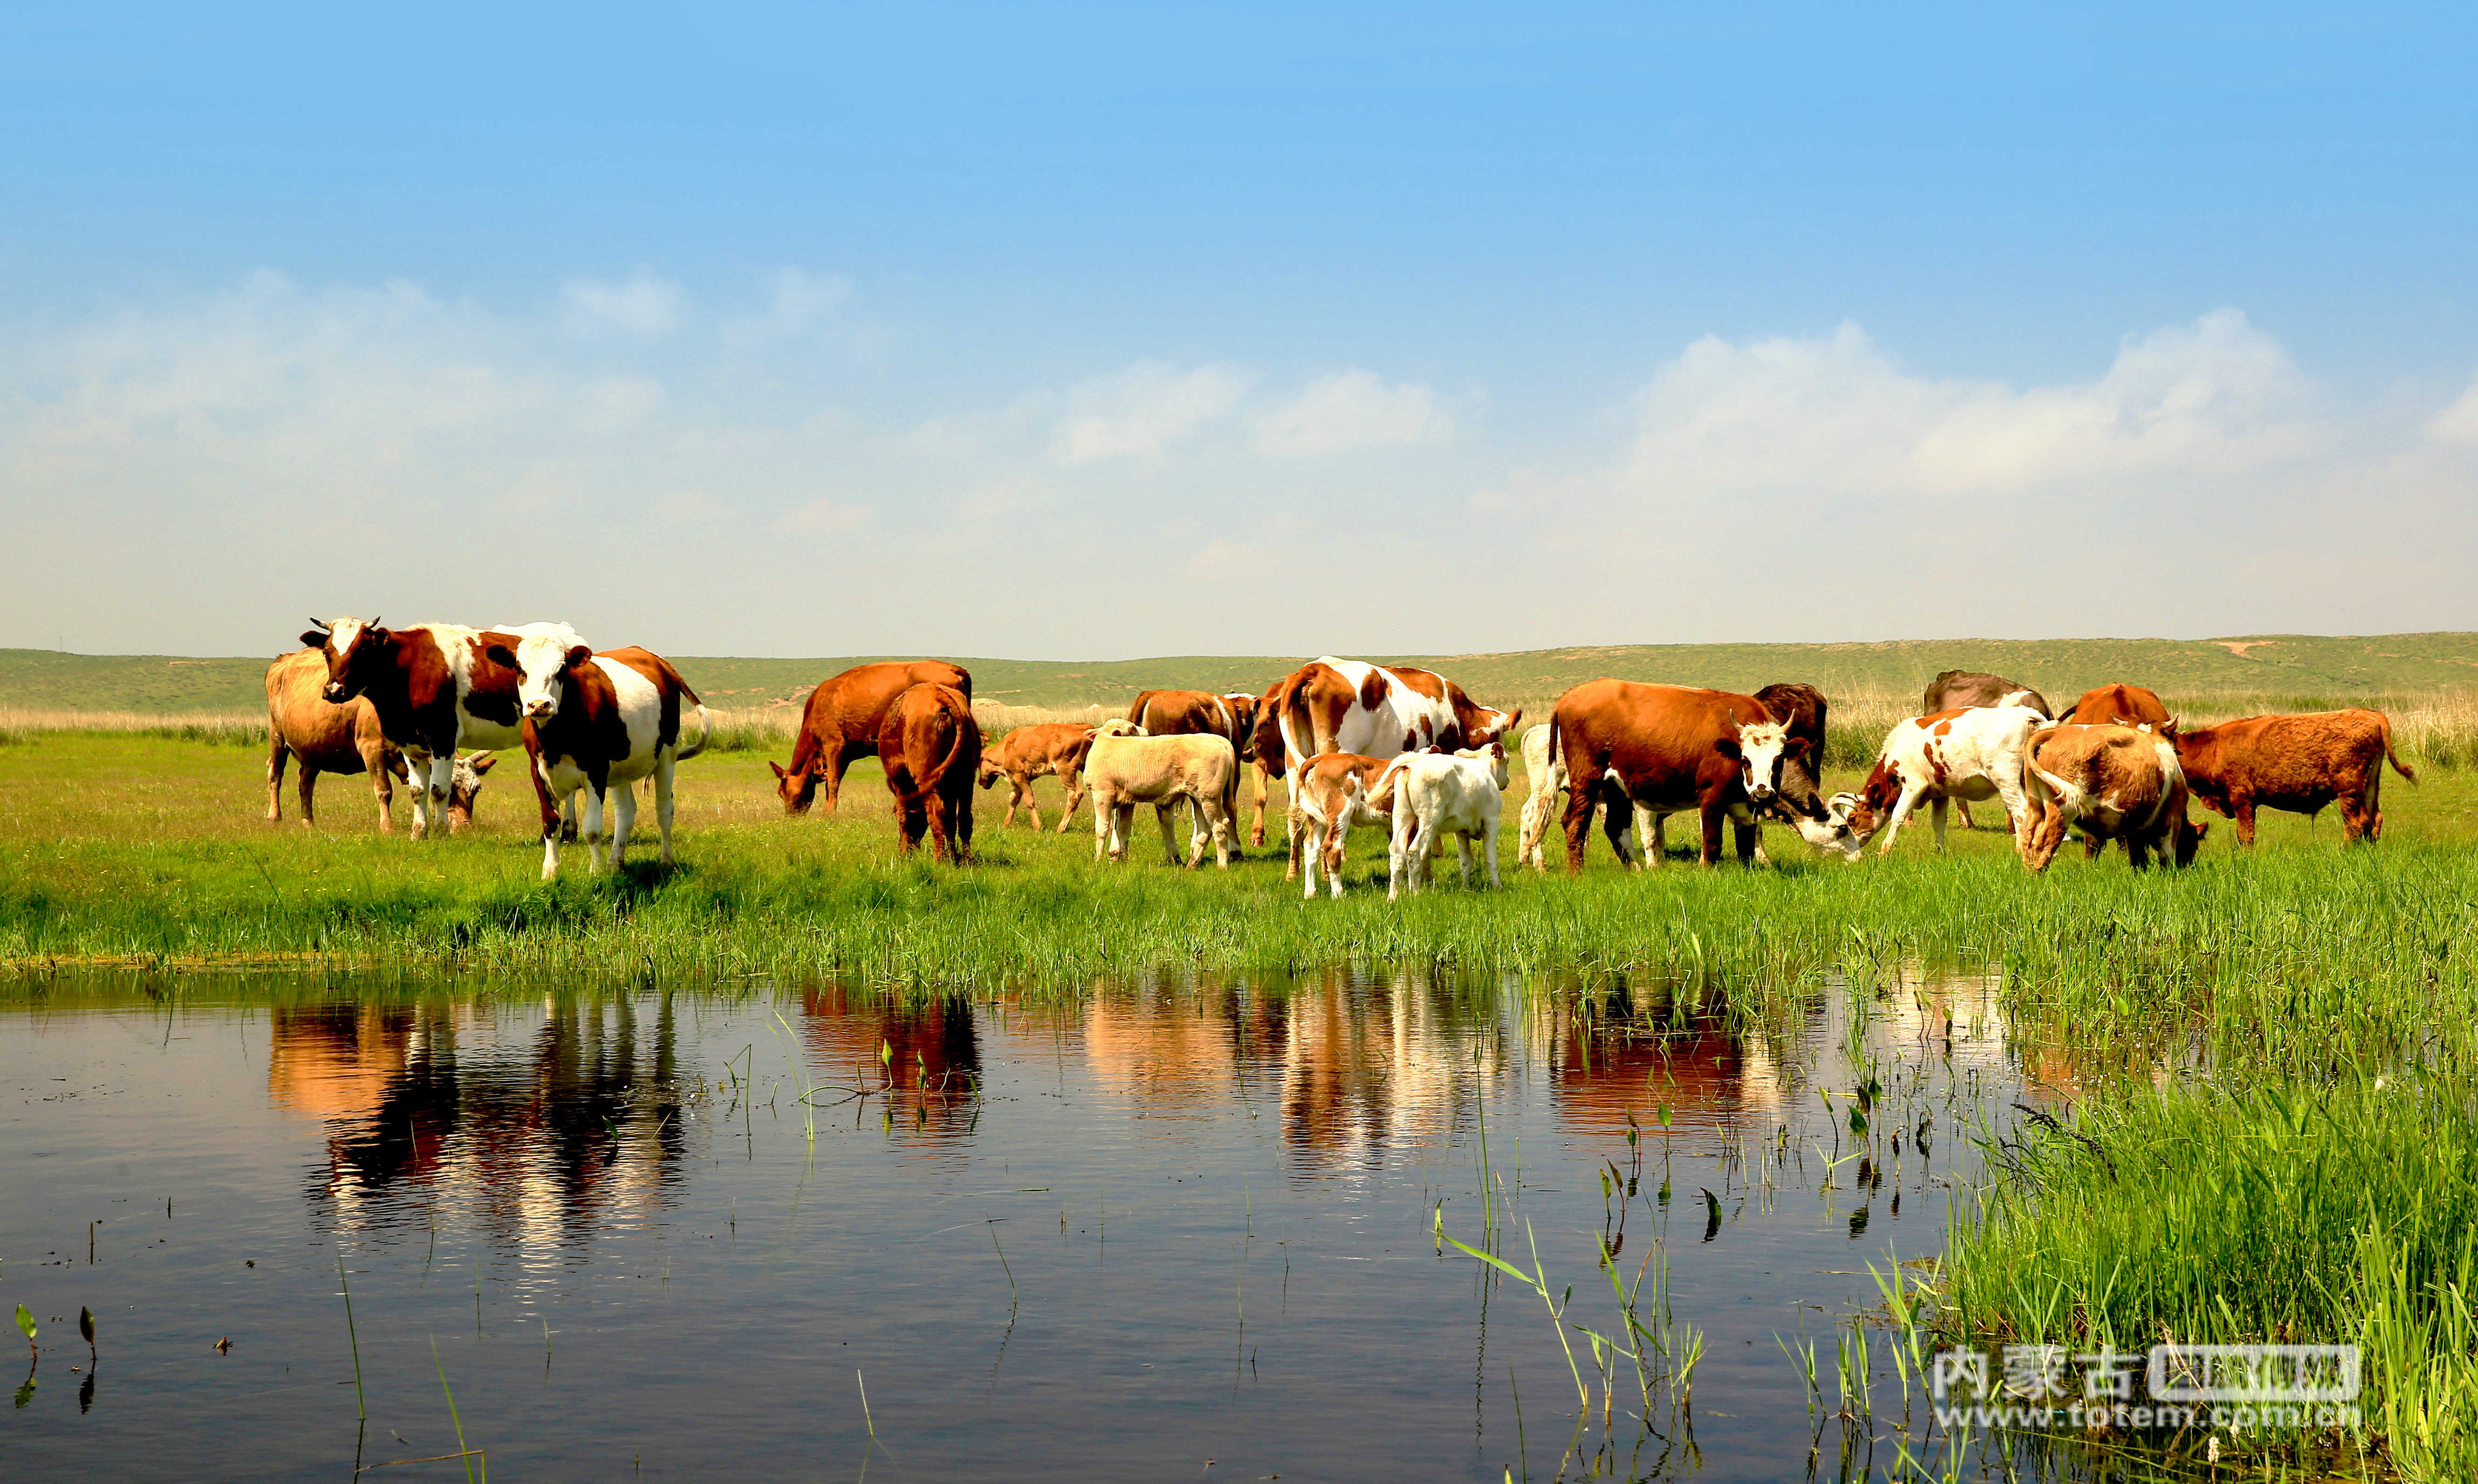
[501, 654]
[577, 655]
[1728, 747]
[1795, 747]
[778, 769]
[316, 638]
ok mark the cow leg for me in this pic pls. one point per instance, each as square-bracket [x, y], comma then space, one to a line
[1294, 822]
[1226, 833]
[1161, 816]
[2243, 804]
[1312, 852]
[1901, 811]
[308, 783]
[1534, 824]
[1746, 837]
[595, 837]
[1488, 850]
[276, 754]
[1756, 833]
[1123, 829]
[1615, 823]
[941, 837]
[1577, 825]
[664, 767]
[831, 762]
[1335, 853]
[1199, 823]
[1101, 813]
[1073, 782]
[374, 761]
[626, 810]
[567, 826]
[1264, 779]
[1400, 843]
[1963, 805]
[1935, 816]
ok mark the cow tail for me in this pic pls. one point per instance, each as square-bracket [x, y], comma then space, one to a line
[954, 754]
[2391, 757]
[705, 735]
[1295, 724]
[1230, 791]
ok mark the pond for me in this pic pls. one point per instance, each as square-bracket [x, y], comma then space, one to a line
[1181, 1229]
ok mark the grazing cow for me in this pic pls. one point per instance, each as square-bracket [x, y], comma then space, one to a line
[1337, 792]
[1054, 748]
[1266, 758]
[2299, 763]
[1125, 767]
[593, 721]
[1461, 793]
[2119, 705]
[1547, 779]
[932, 749]
[1955, 688]
[1669, 748]
[327, 738]
[2111, 783]
[842, 722]
[435, 687]
[1971, 752]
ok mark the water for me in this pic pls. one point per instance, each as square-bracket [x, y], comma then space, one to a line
[1173, 1231]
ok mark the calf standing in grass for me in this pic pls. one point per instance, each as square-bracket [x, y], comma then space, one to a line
[1462, 794]
[2299, 763]
[931, 748]
[1337, 792]
[1029, 752]
[2111, 783]
[1975, 752]
[1125, 767]
[593, 721]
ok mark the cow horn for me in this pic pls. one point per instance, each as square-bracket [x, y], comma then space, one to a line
[320, 624]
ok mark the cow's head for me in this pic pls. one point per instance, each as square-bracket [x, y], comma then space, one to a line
[354, 649]
[989, 772]
[1760, 749]
[1487, 724]
[1874, 801]
[464, 786]
[1119, 726]
[1834, 833]
[543, 663]
[2190, 839]
[798, 790]
[1494, 755]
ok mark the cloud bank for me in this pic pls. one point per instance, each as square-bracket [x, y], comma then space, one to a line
[736, 470]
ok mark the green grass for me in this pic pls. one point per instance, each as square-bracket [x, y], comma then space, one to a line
[2317, 668]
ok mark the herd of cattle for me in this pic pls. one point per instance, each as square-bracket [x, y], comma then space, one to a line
[1355, 746]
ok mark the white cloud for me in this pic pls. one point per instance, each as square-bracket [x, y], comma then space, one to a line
[1353, 408]
[823, 517]
[2457, 423]
[1144, 408]
[796, 302]
[640, 304]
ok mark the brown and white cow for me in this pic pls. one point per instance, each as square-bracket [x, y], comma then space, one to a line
[2295, 763]
[436, 689]
[842, 720]
[1337, 794]
[2111, 783]
[1381, 711]
[594, 720]
[303, 727]
[1955, 689]
[2119, 705]
[1669, 748]
[1049, 750]
[932, 749]
[1969, 752]
[1125, 767]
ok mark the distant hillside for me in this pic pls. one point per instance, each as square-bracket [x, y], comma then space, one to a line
[2269, 665]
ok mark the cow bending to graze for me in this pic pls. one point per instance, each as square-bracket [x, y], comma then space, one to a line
[1125, 767]
[1669, 748]
[2111, 783]
[303, 727]
[594, 720]
[436, 689]
[2119, 705]
[1337, 794]
[2299, 763]
[932, 749]
[1955, 688]
[1973, 752]
[842, 720]
[1051, 748]
[1461, 793]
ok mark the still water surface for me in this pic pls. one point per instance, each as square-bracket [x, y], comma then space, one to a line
[1177, 1231]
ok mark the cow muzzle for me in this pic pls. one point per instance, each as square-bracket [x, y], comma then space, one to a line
[333, 691]
[540, 710]
[1761, 793]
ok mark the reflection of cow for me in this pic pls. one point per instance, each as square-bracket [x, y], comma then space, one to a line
[926, 1056]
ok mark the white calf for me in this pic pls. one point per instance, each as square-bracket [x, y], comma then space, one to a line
[1433, 792]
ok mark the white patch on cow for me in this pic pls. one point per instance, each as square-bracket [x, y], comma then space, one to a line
[1760, 754]
[542, 658]
[341, 632]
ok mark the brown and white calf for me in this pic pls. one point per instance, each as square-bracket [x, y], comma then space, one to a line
[1670, 749]
[1337, 794]
[1380, 711]
[2296, 763]
[1973, 752]
[1125, 767]
[595, 720]
[932, 749]
[1049, 750]
[1955, 689]
[842, 720]
[436, 689]
[2111, 783]
[303, 727]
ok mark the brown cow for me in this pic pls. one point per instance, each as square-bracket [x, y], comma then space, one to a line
[1955, 688]
[1054, 748]
[302, 726]
[932, 749]
[843, 719]
[2119, 705]
[2111, 783]
[2299, 763]
[1670, 748]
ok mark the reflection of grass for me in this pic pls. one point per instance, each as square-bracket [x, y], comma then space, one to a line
[2341, 1213]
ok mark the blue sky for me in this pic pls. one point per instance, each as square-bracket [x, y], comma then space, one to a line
[1074, 331]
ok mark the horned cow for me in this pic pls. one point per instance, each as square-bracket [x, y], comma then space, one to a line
[303, 727]
[1973, 752]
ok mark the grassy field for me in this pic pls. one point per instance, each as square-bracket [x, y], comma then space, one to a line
[2276, 668]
